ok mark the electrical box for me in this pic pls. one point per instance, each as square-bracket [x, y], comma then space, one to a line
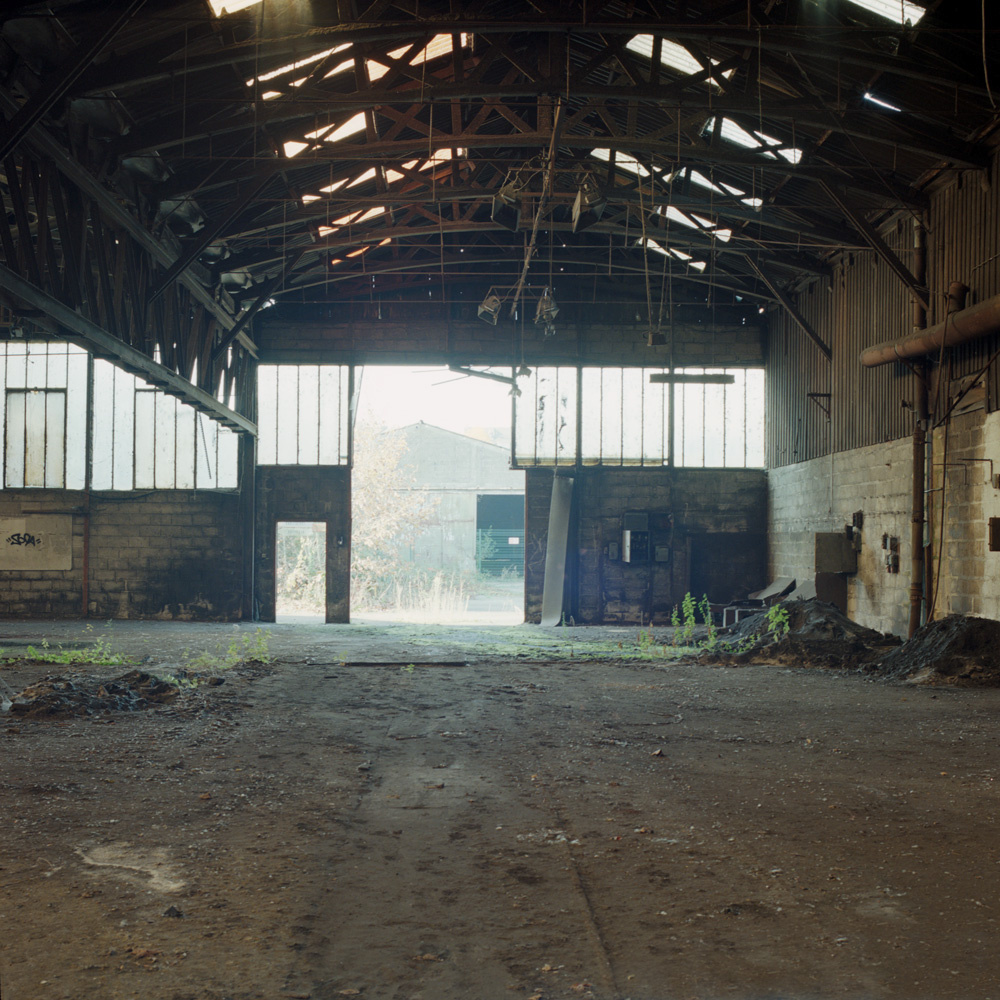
[635, 538]
[635, 546]
[835, 552]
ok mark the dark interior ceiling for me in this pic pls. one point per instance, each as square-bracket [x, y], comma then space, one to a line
[312, 152]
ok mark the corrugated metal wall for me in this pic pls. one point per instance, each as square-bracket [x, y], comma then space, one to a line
[864, 304]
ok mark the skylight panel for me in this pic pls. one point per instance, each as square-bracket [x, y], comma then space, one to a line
[900, 11]
[697, 265]
[673, 55]
[439, 45]
[694, 221]
[352, 126]
[732, 132]
[882, 104]
[368, 175]
[623, 160]
[339, 68]
[220, 7]
[789, 153]
[697, 177]
[351, 219]
[293, 148]
[298, 64]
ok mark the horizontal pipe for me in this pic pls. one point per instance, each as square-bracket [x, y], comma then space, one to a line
[957, 328]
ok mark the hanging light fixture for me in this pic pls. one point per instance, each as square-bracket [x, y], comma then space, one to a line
[489, 308]
[507, 206]
[546, 311]
[589, 205]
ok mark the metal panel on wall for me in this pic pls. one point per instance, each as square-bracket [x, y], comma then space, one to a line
[864, 304]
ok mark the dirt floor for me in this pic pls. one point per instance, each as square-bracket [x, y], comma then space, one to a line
[403, 812]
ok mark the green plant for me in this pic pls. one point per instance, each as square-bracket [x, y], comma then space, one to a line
[646, 642]
[252, 647]
[777, 621]
[100, 653]
[689, 607]
[408, 669]
[705, 607]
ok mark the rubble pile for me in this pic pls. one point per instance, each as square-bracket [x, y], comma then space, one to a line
[818, 635]
[60, 696]
[956, 650]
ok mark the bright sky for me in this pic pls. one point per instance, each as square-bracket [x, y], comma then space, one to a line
[401, 396]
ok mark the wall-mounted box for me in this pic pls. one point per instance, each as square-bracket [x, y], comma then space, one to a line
[835, 553]
[635, 546]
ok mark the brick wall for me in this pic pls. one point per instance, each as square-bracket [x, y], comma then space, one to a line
[708, 523]
[305, 493]
[164, 554]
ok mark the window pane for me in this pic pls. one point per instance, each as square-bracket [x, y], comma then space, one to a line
[184, 421]
[633, 429]
[165, 469]
[267, 415]
[714, 420]
[303, 414]
[54, 457]
[145, 439]
[34, 439]
[14, 457]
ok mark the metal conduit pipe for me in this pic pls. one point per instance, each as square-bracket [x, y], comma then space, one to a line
[959, 327]
[918, 513]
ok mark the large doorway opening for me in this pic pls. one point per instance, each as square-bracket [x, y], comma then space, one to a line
[300, 571]
[432, 493]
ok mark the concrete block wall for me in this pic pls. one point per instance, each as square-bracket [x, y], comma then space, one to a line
[821, 495]
[165, 554]
[708, 523]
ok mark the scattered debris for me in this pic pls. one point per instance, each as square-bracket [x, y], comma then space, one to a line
[60, 696]
[957, 650]
[803, 634]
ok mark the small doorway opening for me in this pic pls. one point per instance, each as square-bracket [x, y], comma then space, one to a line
[300, 571]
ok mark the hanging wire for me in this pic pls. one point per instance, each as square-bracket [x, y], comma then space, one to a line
[986, 70]
[645, 243]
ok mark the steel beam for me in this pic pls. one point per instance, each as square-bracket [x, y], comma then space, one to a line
[42, 99]
[880, 247]
[793, 311]
[46, 146]
[95, 338]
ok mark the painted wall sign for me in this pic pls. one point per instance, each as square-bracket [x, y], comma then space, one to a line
[42, 541]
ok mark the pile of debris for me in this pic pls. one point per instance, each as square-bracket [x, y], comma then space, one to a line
[799, 633]
[59, 696]
[957, 651]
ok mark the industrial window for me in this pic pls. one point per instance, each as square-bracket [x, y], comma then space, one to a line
[617, 417]
[303, 414]
[146, 439]
[44, 415]
[141, 437]
[545, 418]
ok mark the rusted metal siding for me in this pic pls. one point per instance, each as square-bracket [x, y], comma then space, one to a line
[863, 304]
[963, 244]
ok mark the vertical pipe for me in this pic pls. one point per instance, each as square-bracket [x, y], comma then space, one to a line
[88, 464]
[919, 442]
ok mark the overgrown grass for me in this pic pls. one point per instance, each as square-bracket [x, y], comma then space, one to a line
[199, 667]
[100, 653]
